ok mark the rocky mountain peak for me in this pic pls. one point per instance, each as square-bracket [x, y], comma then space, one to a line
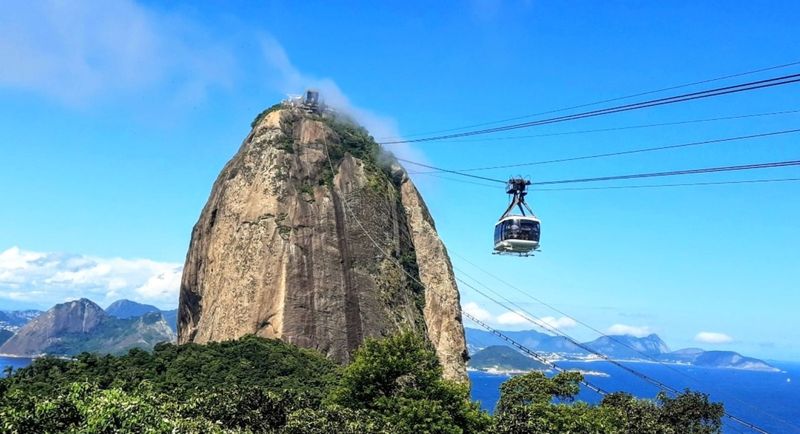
[72, 317]
[292, 244]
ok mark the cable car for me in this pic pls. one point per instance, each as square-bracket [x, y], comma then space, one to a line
[517, 234]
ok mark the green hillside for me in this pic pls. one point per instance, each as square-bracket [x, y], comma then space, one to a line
[503, 358]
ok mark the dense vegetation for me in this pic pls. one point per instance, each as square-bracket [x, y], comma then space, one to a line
[255, 385]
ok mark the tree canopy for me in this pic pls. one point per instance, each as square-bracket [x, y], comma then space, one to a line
[255, 385]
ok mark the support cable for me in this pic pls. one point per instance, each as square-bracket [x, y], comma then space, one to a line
[622, 128]
[637, 151]
[617, 187]
[553, 329]
[620, 98]
[742, 167]
[743, 87]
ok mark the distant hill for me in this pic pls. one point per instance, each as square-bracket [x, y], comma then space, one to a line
[718, 359]
[14, 319]
[81, 325]
[130, 309]
[124, 309]
[629, 347]
[501, 357]
[479, 339]
[620, 347]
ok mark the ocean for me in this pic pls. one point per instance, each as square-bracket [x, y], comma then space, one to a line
[14, 362]
[770, 400]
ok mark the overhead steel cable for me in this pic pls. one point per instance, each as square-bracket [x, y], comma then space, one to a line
[677, 172]
[620, 98]
[743, 167]
[618, 187]
[527, 294]
[634, 151]
[627, 127]
[743, 87]
[685, 184]
[661, 385]
[455, 172]
[530, 352]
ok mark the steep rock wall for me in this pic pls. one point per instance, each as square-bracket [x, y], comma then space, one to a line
[293, 245]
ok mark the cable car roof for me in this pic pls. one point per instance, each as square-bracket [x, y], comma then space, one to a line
[520, 217]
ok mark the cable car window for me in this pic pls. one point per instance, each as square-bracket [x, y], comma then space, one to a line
[519, 229]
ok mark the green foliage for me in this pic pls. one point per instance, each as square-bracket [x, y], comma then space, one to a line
[264, 113]
[181, 370]
[353, 139]
[255, 385]
[398, 381]
[527, 405]
[331, 419]
[536, 388]
[546, 418]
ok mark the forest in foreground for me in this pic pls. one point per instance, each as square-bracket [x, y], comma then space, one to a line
[256, 385]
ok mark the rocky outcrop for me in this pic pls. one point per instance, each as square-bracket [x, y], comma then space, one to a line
[81, 325]
[320, 252]
[73, 317]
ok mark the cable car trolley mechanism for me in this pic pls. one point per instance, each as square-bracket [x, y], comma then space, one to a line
[517, 234]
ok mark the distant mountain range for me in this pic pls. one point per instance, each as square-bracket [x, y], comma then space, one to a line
[81, 325]
[619, 347]
[125, 309]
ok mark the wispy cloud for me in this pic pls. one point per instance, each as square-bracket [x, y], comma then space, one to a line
[624, 329]
[81, 52]
[511, 319]
[517, 319]
[46, 278]
[713, 338]
[290, 80]
[478, 312]
[559, 323]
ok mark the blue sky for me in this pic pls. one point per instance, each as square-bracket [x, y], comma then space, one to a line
[116, 117]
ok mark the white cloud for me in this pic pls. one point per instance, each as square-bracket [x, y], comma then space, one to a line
[47, 278]
[515, 319]
[624, 329]
[478, 312]
[511, 319]
[713, 338]
[76, 52]
[290, 80]
[559, 323]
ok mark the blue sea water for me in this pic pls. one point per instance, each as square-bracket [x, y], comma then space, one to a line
[14, 362]
[770, 400]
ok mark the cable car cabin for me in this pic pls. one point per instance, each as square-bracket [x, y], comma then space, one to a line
[517, 234]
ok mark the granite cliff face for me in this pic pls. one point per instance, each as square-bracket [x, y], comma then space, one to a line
[291, 245]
